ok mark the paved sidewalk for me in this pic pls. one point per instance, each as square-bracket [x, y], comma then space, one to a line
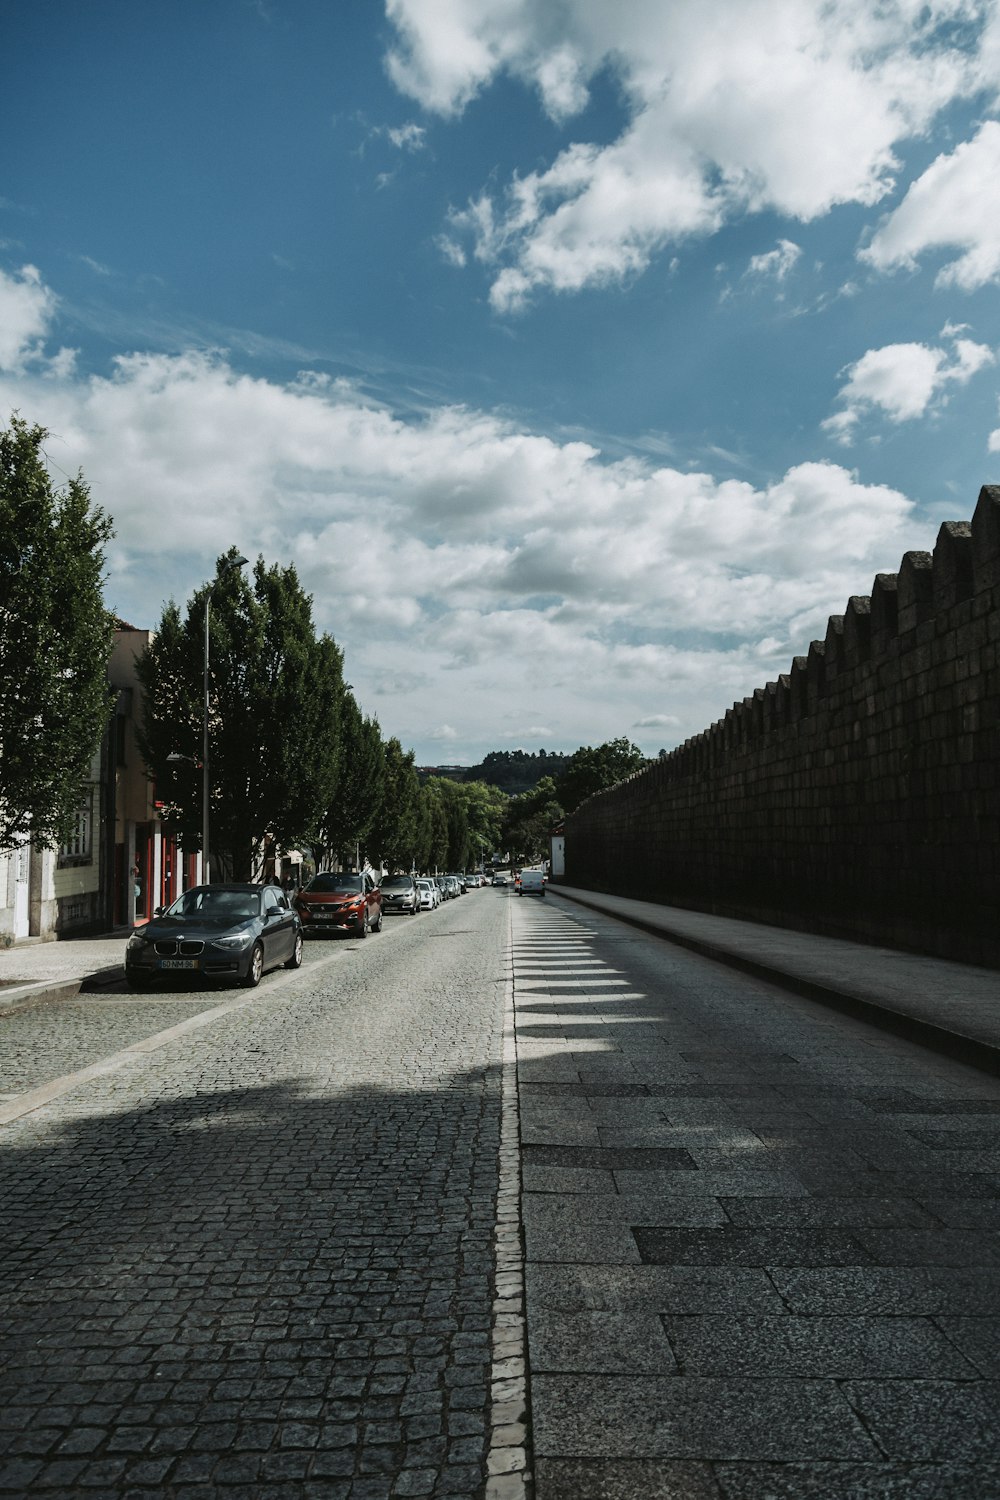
[953, 1008]
[35, 971]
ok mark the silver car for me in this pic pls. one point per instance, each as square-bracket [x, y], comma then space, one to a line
[400, 894]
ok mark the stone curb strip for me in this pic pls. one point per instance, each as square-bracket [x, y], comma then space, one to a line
[971, 1050]
[508, 1465]
[55, 989]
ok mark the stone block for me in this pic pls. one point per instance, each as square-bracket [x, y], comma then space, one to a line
[915, 590]
[952, 570]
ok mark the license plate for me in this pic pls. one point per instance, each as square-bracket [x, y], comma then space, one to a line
[323, 916]
[178, 963]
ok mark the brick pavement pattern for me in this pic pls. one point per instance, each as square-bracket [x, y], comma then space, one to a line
[762, 1248]
[258, 1262]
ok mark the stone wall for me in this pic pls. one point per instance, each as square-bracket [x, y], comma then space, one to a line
[859, 794]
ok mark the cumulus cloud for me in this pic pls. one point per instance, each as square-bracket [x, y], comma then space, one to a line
[904, 381]
[26, 309]
[744, 105]
[460, 559]
[952, 205]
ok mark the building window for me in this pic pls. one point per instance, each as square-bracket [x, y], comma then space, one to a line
[78, 848]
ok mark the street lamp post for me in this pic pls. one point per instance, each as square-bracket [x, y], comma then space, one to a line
[206, 871]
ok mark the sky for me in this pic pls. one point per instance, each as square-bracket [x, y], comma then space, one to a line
[582, 358]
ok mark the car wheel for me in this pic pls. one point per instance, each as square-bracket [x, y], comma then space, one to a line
[255, 972]
[377, 924]
[362, 931]
[295, 962]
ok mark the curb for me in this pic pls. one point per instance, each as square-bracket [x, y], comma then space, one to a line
[55, 989]
[977, 1054]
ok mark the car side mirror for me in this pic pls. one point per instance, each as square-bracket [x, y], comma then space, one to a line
[158, 911]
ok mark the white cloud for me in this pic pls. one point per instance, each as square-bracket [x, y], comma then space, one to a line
[775, 263]
[460, 561]
[26, 309]
[903, 381]
[742, 105]
[409, 137]
[953, 204]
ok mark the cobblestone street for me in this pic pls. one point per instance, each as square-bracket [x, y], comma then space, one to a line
[286, 1242]
[257, 1260]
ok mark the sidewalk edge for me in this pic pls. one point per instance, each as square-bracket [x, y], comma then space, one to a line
[977, 1054]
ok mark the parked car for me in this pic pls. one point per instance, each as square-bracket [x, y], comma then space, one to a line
[454, 886]
[232, 931]
[430, 896]
[459, 876]
[399, 893]
[342, 903]
[441, 881]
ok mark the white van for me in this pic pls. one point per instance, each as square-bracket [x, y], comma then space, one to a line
[532, 880]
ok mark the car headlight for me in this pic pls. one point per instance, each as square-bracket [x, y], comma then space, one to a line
[136, 943]
[235, 940]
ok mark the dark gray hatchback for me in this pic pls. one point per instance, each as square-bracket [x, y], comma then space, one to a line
[218, 932]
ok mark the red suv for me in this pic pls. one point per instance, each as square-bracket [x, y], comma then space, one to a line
[340, 903]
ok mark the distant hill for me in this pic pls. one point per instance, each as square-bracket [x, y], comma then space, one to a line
[513, 771]
[517, 771]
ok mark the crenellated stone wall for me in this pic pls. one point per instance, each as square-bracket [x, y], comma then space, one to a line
[859, 794]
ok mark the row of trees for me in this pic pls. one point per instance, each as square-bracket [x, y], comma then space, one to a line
[292, 756]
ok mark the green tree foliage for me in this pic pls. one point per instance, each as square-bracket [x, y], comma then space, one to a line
[438, 794]
[529, 820]
[55, 641]
[592, 769]
[515, 771]
[358, 796]
[485, 810]
[399, 834]
[276, 694]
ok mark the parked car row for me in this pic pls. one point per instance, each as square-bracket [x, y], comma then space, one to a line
[240, 929]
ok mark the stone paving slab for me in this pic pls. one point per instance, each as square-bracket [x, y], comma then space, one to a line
[641, 1416]
[817, 1293]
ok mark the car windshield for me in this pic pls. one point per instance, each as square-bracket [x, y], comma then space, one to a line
[397, 883]
[335, 885]
[216, 902]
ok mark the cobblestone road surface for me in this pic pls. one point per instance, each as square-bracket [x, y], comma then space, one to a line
[257, 1261]
[763, 1259]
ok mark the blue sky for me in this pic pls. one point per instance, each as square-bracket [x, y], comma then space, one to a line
[583, 358]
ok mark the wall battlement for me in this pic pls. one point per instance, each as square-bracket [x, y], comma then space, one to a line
[860, 791]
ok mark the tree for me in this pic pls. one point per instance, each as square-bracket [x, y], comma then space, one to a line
[276, 694]
[590, 770]
[485, 810]
[436, 792]
[358, 795]
[398, 834]
[529, 820]
[55, 641]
